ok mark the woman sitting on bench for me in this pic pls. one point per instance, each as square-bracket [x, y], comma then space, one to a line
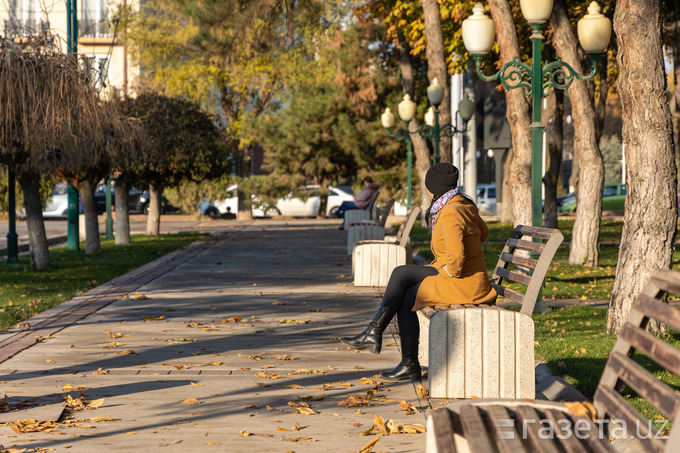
[456, 276]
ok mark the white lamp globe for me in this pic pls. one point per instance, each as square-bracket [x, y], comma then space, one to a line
[435, 92]
[387, 118]
[594, 30]
[478, 31]
[536, 10]
[407, 109]
[429, 117]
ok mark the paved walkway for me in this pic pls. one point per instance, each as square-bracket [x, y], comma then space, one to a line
[226, 345]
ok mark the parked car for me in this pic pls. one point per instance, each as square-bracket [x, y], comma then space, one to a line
[486, 198]
[613, 199]
[57, 205]
[303, 202]
[138, 200]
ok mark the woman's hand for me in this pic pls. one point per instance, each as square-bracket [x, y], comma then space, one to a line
[445, 269]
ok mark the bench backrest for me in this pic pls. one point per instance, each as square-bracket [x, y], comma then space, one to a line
[371, 203]
[525, 259]
[622, 369]
[407, 225]
[386, 212]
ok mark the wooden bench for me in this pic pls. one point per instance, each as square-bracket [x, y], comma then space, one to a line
[374, 261]
[484, 351]
[366, 230]
[522, 426]
[357, 215]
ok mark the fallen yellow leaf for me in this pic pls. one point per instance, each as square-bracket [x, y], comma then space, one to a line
[190, 401]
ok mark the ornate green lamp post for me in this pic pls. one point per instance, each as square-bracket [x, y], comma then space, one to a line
[73, 233]
[594, 32]
[430, 129]
[109, 220]
[12, 237]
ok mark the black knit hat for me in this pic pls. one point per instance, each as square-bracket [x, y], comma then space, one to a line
[441, 178]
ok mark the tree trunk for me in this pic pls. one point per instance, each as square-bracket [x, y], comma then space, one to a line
[650, 218]
[91, 221]
[153, 221]
[245, 205]
[122, 213]
[584, 249]
[37, 238]
[436, 67]
[551, 177]
[420, 149]
[517, 110]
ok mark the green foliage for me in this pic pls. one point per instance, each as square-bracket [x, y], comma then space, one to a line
[327, 129]
[183, 141]
[188, 195]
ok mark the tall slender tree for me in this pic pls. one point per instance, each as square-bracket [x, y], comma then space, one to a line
[650, 219]
[584, 249]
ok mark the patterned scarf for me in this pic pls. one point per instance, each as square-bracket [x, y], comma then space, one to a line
[441, 201]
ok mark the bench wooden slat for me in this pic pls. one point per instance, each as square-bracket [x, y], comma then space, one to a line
[508, 440]
[525, 245]
[475, 430]
[643, 382]
[509, 293]
[529, 418]
[667, 279]
[618, 408]
[534, 232]
[443, 427]
[568, 441]
[652, 308]
[513, 276]
[519, 260]
[661, 352]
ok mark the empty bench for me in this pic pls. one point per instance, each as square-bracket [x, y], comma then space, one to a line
[371, 229]
[373, 261]
[529, 426]
[484, 351]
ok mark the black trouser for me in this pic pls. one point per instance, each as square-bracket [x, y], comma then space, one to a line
[400, 295]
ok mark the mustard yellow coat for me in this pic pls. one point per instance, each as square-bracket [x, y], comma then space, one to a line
[456, 243]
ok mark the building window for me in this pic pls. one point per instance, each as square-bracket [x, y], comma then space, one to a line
[94, 21]
[24, 18]
[99, 70]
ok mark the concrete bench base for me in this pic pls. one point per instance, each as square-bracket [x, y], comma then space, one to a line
[355, 216]
[374, 261]
[478, 352]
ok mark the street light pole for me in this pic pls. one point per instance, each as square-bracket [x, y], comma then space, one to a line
[109, 219]
[430, 129]
[12, 237]
[594, 32]
[73, 233]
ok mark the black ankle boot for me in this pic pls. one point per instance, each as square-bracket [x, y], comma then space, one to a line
[409, 367]
[371, 338]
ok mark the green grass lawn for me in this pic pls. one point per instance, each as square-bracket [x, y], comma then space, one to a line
[572, 340]
[24, 293]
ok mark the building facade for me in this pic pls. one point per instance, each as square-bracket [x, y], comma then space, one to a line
[98, 34]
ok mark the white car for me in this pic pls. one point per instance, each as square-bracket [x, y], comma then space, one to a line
[57, 204]
[486, 198]
[295, 204]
